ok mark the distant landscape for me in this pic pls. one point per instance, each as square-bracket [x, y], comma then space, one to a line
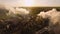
[30, 20]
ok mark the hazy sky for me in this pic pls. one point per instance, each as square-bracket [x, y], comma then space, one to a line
[31, 2]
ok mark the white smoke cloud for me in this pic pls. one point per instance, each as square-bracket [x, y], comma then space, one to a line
[14, 11]
[43, 14]
[54, 17]
[53, 14]
[21, 11]
[11, 11]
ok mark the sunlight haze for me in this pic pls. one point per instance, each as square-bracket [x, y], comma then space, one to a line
[31, 2]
